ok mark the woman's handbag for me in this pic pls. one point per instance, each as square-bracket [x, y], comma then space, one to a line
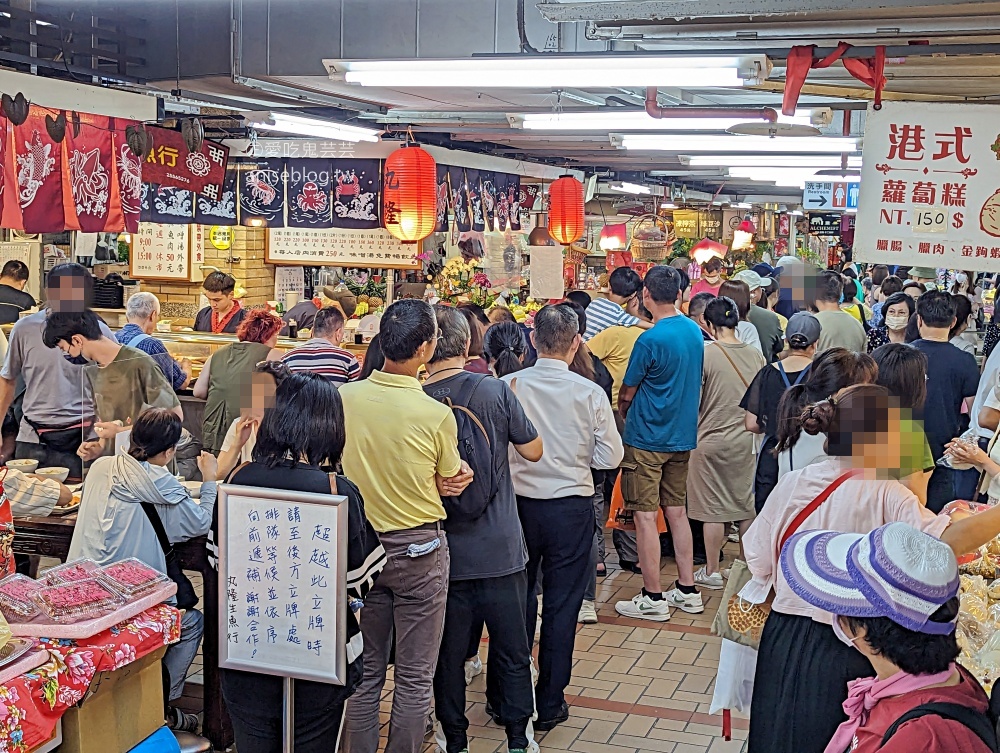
[743, 621]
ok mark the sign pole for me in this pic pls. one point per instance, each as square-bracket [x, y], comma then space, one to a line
[288, 716]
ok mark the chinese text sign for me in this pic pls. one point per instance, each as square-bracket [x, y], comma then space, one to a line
[930, 188]
[340, 247]
[282, 583]
[160, 252]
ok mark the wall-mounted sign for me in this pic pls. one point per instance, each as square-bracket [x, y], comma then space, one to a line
[710, 224]
[221, 237]
[171, 164]
[825, 223]
[161, 252]
[931, 186]
[340, 247]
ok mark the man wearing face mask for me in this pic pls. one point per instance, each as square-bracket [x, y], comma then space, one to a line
[58, 402]
[711, 278]
[124, 380]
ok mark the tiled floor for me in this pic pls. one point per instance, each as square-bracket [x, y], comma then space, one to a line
[637, 686]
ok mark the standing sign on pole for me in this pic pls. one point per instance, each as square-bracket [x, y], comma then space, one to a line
[931, 186]
[282, 577]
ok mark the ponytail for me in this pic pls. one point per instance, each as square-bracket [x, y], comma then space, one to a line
[504, 346]
[790, 410]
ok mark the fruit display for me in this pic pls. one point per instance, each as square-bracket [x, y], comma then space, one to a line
[132, 577]
[370, 291]
[79, 600]
[16, 592]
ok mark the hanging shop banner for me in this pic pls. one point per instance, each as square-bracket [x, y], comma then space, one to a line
[356, 193]
[825, 223]
[160, 252]
[220, 210]
[95, 204]
[36, 164]
[341, 248]
[930, 188]
[710, 224]
[474, 191]
[128, 173]
[443, 199]
[459, 199]
[488, 192]
[169, 206]
[171, 164]
[262, 192]
[513, 202]
[686, 223]
[529, 197]
[310, 182]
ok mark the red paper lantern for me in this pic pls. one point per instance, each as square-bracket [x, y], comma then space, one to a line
[566, 223]
[409, 194]
[613, 237]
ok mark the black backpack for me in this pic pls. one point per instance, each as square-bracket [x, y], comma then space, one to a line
[475, 448]
[983, 725]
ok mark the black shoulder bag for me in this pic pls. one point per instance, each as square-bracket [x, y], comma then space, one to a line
[186, 597]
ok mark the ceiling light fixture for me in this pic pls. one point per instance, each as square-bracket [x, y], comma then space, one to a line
[743, 235]
[717, 143]
[303, 126]
[613, 237]
[632, 188]
[770, 160]
[632, 119]
[668, 205]
[783, 176]
[554, 71]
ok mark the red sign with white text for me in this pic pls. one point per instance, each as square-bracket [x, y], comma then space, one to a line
[171, 164]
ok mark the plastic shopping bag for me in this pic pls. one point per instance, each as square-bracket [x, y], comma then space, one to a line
[734, 681]
[620, 518]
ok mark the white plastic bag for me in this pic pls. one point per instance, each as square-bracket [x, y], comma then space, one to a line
[734, 681]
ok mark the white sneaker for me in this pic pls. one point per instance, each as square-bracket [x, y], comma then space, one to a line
[473, 667]
[690, 603]
[644, 608]
[725, 573]
[712, 582]
[588, 614]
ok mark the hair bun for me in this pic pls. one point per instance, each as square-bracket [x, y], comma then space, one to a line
[818, 417]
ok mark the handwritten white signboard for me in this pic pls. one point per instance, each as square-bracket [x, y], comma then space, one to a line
[930, 186]
[282, 577]
[340, 248]
[160, 252]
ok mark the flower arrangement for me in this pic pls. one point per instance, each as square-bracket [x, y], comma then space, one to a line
[463, 280]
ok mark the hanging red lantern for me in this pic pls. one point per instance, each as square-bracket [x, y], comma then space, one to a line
[409, 193]
[566, 223]
[613, 237]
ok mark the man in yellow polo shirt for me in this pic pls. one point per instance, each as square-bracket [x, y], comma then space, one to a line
[613, 347]
[402, 452]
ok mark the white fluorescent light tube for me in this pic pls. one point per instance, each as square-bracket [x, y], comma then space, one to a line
[742, 205]
[711, 143]
[668, 205]
[785, 176]
[621, 121]
[321, 129]
[549, 71]
[771, 160]
[624, 187]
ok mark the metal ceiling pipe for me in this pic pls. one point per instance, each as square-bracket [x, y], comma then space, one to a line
[654, 110]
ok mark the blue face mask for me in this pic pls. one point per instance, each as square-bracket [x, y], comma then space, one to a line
[841, 298]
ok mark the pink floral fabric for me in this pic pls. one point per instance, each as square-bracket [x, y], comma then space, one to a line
[30, 705]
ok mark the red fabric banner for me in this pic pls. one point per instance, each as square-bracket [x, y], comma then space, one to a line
[128, 175]
[171, 164]
[92, 203]
[36, 163]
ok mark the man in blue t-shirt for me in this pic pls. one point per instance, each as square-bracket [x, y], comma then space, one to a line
[659, 399]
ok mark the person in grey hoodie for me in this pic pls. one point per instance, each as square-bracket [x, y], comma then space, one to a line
[114, 523]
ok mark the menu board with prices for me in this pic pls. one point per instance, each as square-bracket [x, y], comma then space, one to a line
[686, 223]
[930, 186]
[163, 252]
[340, 248]
[282, 576]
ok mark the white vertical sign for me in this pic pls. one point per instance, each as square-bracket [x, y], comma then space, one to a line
[283, 583]
[930, 188]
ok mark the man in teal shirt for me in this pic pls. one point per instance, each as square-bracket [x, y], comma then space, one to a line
[659, 398]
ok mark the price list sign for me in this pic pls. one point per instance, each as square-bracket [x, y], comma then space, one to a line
[160, 252]
[340, 248]
[930, 186]
[282, 578]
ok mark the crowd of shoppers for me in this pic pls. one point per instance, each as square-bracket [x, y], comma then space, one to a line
[477, 457]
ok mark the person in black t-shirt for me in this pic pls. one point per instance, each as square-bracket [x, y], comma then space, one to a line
[304, 430]
[952, 377]
[13, 299]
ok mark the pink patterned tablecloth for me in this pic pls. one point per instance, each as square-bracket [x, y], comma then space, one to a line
[31, 704]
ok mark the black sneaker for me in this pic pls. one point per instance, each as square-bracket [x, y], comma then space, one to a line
[493, 715]
[178, 721]
[544, 725]
[632, 567]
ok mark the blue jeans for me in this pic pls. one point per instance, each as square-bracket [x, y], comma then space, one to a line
[179, 655]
